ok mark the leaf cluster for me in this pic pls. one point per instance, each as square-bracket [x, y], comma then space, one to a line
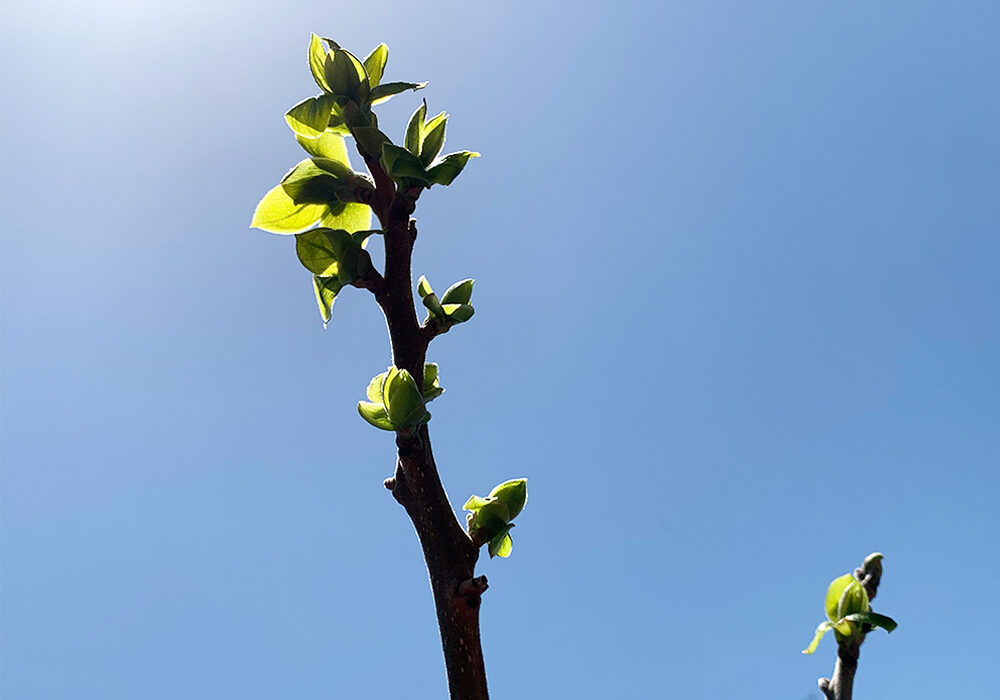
[490, 518]
[848, 612]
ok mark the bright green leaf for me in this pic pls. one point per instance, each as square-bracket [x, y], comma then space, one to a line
[501, 545]
[326, 289]
[823, 628]
[448, 168]
[374, 390]
[353, 217]
[375, 64]
[415, 129]
[513, 494]
[386, 90]
[844, 596]
[311, 117]
[458, 313]
[375, 414]
[458, 293]
[493, 517]
[432, 389]
[404, 403]
[475, 503]
[433, 138]
[424, 287]
[317, 61]
[278, 213]
[328, 145]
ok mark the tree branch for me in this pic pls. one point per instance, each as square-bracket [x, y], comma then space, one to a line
[841, 685]
[449, 552]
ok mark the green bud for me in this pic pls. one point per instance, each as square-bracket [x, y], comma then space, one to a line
[403, 401]
[512, 494]
[458, 293]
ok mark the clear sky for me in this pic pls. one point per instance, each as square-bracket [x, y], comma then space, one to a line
[738, 273]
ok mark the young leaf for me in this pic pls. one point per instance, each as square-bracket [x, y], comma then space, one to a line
[375, 64]
[458, 293]
[501, 545]
[399, 163]
[326, 289]
[316, 180]
[415, 129]
[404, 403]
[492, 517]
[475, 503]
[311, 117]
[433, 138]
[278, 213]
[317, 61]
[823, 628]
[458, 313]
[327, 145]
[513, 494]
[432, 389]
[445, 171]
[344, 73]
[374, 390]
[386, 90]
[375, 414]
[429, 299]
[320, 249]
[874, 619]
[353, 217]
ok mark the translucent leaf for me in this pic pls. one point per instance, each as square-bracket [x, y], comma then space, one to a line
[424, 287]
[493, 517]
[432, 389]
[823, 628]
[374, 390]
[448, 168]
[844, 596]
[344, 73]
[404, 403]
[317, 61]
[399, 163]
[353, 217]
[458, 313]
[278, 213]
[319, 250]
[386, 90]
[326, 289]
[501, 545]
[433, 140]
[316, 180]
[513, 494]
[475, 503]
[874, 619]
[375, 414]
[311, 117]
[458, 293]
[375, 64]
[415, 129]
[327, 145]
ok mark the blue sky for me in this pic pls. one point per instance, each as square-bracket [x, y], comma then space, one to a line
[737, 322]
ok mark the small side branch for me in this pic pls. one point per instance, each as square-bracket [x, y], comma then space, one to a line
[841, 685]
